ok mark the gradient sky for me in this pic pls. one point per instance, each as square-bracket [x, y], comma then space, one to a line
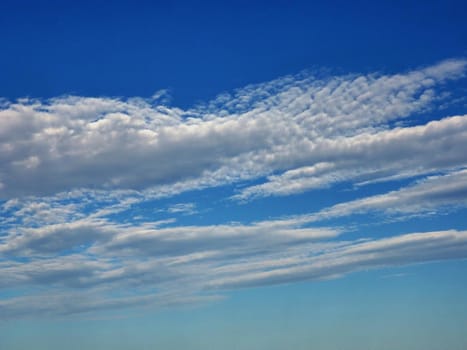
[233, 175]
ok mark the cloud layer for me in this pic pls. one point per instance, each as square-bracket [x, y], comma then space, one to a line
[77, 172]
[297, 124]
[142, 266]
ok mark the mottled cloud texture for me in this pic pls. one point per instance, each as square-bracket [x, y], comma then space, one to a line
[69, 166]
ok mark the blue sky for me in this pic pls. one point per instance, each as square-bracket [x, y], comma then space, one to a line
[239, 175]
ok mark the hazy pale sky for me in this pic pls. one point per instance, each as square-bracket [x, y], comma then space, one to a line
[233, 175]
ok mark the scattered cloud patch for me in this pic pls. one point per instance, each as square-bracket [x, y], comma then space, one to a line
[183, 208]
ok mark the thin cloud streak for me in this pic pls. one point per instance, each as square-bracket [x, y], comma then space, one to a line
[432, 194]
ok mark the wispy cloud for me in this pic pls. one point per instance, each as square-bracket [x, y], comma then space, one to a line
[430, 194]
[209, 267]
[394, 251]
[183, 208]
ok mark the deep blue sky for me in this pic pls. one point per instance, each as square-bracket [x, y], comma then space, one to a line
[199, 49]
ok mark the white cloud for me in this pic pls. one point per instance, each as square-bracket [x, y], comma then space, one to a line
[70, 143]
[150, 239]
[427, 195]
[387, 252]
[86, 302]
[147, 278]
[183, 208]
[372, 156]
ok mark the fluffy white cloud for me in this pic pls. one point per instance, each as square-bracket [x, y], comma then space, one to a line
[71, 143]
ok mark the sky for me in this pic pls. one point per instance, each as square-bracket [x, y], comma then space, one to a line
[233, 175]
